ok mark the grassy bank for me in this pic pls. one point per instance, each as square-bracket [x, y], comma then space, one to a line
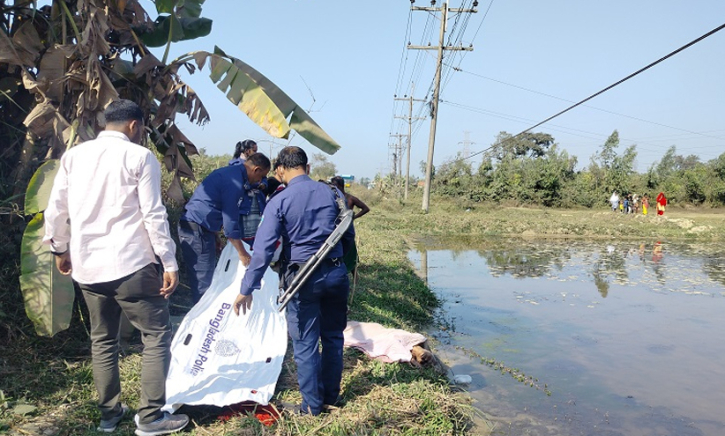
[54, 374]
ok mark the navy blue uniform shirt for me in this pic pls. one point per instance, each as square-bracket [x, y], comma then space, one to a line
[303, 214]
[215, 202]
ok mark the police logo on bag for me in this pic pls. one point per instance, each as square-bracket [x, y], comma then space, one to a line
[226, 348]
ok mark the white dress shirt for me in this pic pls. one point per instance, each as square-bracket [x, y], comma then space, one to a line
[106, 203]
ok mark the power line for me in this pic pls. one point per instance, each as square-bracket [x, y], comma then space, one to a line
[590, 107]
[641, 70]
[552, 127]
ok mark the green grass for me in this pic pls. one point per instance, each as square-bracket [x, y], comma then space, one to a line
[54, 374]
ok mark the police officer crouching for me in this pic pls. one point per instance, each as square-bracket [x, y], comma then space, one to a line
[304, 215]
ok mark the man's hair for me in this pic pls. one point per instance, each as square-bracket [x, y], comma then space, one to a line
[292, 157]
[121, 111]
[243, 146]
[339, 182]
[272, 185]
[259, 160]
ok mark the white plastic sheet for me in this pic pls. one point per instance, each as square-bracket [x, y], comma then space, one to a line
[219, 358]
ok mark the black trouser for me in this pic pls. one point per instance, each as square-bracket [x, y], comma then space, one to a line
[137, 296]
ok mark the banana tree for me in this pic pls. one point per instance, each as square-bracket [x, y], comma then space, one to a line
[66, 61]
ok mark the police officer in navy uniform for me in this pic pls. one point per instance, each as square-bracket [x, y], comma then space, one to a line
[304, 215]
[217, 203]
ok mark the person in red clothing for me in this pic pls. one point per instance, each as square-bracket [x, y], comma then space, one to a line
[661, 203]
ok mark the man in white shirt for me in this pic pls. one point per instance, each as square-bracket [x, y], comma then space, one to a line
[107, 225]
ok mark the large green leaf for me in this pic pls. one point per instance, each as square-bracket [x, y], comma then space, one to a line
[183, 29]
[263, 101]
[38, 192]
[48, 294]
[249, 97]
[303, 124]
[189, 8]
[165, 6]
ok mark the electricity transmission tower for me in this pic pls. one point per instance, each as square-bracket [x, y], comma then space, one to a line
[467, 143]
[397, 155]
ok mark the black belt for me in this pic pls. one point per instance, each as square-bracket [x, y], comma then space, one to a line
[331, 261]
[192, 226]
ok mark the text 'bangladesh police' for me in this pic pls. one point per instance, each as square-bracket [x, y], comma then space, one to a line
[209, 339]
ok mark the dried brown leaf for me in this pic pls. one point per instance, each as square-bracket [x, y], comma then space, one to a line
[146, 64]
[27, 43]
[174, 192]
[93, 39]
[8, 54]
[40, 120]
[52, 69]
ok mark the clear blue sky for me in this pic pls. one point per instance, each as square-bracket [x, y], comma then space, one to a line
[349, 54]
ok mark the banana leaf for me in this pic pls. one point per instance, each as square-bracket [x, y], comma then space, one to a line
[48, 295]
[182, 29]
[263, 101]
[38, 191]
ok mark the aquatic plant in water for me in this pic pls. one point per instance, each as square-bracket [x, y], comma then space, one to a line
[515, 373]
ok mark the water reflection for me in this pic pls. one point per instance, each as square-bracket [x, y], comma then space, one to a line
[625, 334]
[605, 263]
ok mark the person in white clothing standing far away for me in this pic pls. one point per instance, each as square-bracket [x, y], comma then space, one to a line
[108, 228]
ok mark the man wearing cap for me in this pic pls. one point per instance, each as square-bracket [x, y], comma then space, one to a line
[304, 215]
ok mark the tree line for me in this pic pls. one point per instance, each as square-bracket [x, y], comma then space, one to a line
[531, 169]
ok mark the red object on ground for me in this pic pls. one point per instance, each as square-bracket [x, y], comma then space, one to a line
[267, 415]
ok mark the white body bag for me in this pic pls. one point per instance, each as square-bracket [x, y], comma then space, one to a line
[218, 358]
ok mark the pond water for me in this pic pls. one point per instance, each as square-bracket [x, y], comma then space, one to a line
[619, 338]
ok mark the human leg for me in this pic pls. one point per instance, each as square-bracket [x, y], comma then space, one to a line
[198, 248]
[105, 314]
[303, 324]
[147, 310]
[333, 316]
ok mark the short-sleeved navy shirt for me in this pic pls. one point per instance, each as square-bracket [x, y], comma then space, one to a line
[304, 215]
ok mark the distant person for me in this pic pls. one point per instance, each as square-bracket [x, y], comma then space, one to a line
[614, 201]
[661, 203]
[351, 256]
[645, 204]
[217, 203]
[108, 229]
[635, 203]
[242, 151]
[626, 204]
[352, 201]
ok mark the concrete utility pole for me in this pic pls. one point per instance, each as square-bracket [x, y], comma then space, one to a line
[410, 119]
[437, 87]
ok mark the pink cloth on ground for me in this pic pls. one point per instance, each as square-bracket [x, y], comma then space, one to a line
[382, 343]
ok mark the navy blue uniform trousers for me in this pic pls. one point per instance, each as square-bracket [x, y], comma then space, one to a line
[318, 313]
[198, 247]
